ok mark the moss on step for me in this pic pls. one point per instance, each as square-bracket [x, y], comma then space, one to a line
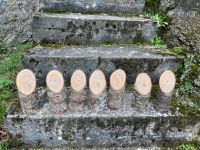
[107, 45]
[55, 11]
[162, 51]
[178, 51]
[185, 109]
[54, 46]
[154, 91]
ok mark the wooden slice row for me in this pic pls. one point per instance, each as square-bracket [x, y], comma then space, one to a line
[26, 82]
[143, 84]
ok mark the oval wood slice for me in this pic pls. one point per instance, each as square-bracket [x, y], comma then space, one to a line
[118, 80]
[97, 82]
[167, 82]
[55, 81]
[78, 81]
[26, 82]
[143, 84]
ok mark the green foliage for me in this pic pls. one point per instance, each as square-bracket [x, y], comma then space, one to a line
[195, 103]
[187, 147]
[25, 46]
[157, 17]
[4, 146]
[158, 42]
[3, 48]
[162, 27]
[185, 109]
[188, 101]
[4, 83]
[188, 78]
[186, 87]
[150, 2]
[3, 109]
[10, 64]
[187, 73]
[178, 51]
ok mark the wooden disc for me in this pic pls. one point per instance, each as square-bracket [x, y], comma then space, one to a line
[143, 84]
[118, 80]
[55, 81]
[78, 80]
[167, 81]
[97, 82]
[26, 82]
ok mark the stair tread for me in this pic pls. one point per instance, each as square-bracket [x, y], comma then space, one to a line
[125, 112]
[92, 17]
[103, 52]
[93, 6]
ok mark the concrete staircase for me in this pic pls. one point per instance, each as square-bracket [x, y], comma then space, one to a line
[94, 30]
[82, 37]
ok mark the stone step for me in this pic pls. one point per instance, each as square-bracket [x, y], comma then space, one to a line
[93, 6]
[122, 128]
[133, 60]
[78, 29]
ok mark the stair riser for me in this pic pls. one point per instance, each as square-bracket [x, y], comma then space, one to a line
[109, 129]
[132, 66]
[93, 6]
[91, 31]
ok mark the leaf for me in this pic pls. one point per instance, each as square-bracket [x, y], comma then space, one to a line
[4, 83]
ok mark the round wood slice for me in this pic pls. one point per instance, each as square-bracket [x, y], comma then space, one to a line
[26, 82]
[55, 81]
[167, 82]
[143, 84]
[97, 82]
[118, 80]
[78, 81]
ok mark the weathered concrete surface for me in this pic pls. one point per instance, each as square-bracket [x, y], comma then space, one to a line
[15, 20]
[132, 60]
[78, 29]
[122, 128]
[184, 28]
[93, 6]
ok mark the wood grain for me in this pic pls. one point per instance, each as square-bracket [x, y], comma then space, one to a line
[55, 81]
[143, 84]
[26, 82]
[97, 82]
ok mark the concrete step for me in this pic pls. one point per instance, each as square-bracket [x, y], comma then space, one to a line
[133, 60]
[93, 6]
[107, 129]
[78, 29]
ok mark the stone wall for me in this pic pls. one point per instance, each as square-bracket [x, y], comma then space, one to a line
[185, 25]
[15, 20]
[184, 31]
